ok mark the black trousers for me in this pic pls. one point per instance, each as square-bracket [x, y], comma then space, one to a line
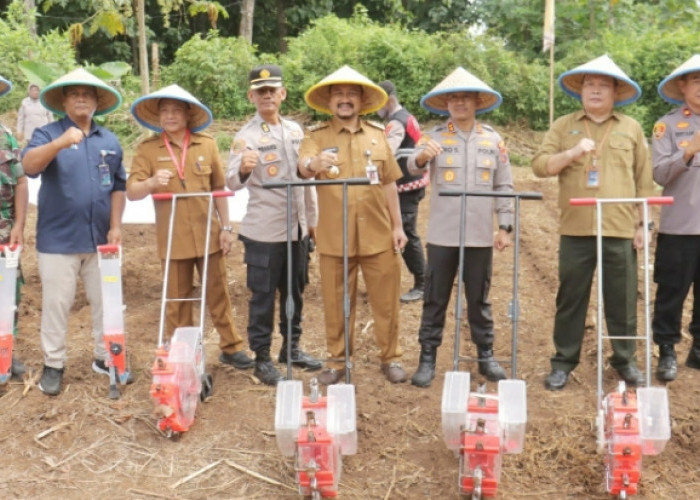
[413, 253]
[443, 263]
[676, 269]
[266, 274]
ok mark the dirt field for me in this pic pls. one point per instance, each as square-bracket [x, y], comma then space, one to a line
[81, 445]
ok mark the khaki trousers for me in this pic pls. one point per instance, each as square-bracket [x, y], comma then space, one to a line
[382, 275]
[59, 277]
[218, 300]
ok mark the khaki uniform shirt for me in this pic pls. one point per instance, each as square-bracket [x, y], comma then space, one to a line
[680, 180]
[203, 173]
[625, 172]
[472, 161]
[266, 215]
[369, 223]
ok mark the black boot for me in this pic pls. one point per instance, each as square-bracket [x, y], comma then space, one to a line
[668, 366]
[489, 367]
[265, 370]
[693, 360]
[426, 367]
[415, 293]
[299, 358]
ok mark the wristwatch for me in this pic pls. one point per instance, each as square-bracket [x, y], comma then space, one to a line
[507, 229]
[307, 165]
[227, 228]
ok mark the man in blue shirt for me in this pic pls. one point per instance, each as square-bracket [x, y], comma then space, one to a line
[81, 201]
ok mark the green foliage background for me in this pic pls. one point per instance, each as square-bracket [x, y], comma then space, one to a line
[498, 42]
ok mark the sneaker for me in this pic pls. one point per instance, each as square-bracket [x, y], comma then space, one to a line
[412, 295]
[51, 379]
[239, 360]
[100, 366]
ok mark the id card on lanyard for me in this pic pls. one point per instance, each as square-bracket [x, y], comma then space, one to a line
[179, 165]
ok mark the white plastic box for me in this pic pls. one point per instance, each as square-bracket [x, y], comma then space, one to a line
[288, 415]
[8, 284]
[654, 419]
[512, 414]
[455, 394]
[342, 417]
[112, 302]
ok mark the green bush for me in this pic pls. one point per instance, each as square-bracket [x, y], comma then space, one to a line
[17, 44]
[215, 70]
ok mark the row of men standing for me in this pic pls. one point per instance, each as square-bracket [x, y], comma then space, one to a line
[597, 149]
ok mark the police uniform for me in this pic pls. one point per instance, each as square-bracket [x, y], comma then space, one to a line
[677, 263]
[264, 226]
[470, 161]
[370, 243]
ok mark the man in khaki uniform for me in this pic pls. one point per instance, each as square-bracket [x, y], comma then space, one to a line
[347, 147]
[602, 153]
[178, 160]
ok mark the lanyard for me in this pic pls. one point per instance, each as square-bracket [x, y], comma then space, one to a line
[594, 153]
[180, 166]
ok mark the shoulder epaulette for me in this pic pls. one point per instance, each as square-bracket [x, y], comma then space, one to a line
[203, 134]
[487, 127]
[378, 125]
[318, 126]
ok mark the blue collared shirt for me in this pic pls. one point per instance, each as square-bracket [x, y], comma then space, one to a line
[75, 194]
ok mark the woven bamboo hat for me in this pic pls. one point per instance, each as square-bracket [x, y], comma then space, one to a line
[108, 99]
[5, 86]
[145, 109]
[668, 88]
[373, 96]
[460, 80]
[626, 92]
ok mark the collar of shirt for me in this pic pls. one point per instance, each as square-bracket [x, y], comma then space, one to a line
[581, 114]
[66, 122]
[338, 126]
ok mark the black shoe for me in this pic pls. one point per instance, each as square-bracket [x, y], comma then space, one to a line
[489, 367]
[631, 375]
[693, 359]
[426, 367]
[17, 369]
[51, 379]
[300, 359]
[238, 360]
[667, 368]
[100, 366]
[413, 295]
[267, 373]
[556, 380]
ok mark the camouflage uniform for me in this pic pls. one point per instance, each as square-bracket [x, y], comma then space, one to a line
[10, 171]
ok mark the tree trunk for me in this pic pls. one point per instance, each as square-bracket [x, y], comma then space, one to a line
[143, 48]
[31, 20]
[245, 30]
[282, 26]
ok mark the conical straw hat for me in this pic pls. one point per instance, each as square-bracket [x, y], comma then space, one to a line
[108, 99]
[145, 109]
[373, 96]
[460, 80]
[627, 90]
[5, 86]
[668, 88]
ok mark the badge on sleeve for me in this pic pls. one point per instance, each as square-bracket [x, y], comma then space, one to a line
[659, 130]
[503, 152]
[237, 146]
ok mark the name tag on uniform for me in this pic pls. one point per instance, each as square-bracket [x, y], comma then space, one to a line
[164, 158]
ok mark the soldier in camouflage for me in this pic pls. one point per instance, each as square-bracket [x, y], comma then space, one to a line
[14, 195]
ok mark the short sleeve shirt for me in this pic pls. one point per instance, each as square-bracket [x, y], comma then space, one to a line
[75, 198]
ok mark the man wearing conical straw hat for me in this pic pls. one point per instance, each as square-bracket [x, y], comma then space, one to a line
[675, 148]
[346, 146]
[81, 201]
[464, 154]
[181, 159]
[266, 149]
[13, 211]
[597, 152]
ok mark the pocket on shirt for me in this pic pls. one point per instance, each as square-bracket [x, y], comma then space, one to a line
[485, 167]
[621, 150]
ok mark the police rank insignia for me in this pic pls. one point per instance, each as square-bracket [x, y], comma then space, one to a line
[682, 125]
[451, 128]
[265, 127]
[687, 112]
[449, 176]
[659, 130]
[238, 146]
[272, 170]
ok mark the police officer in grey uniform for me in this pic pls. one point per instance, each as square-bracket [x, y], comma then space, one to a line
[462, 154]
[675, 148]
[266, 150]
